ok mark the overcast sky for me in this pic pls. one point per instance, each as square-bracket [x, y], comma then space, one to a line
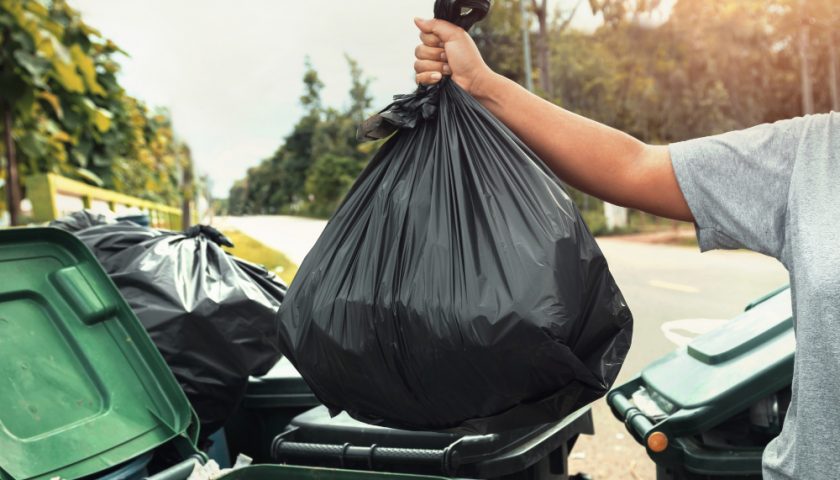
[230, 71]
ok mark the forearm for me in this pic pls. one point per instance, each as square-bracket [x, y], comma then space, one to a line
[590, 156]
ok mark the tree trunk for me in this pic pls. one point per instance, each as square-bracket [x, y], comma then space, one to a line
[543, 50]
[526, 47]
[805, 62]
[834, 87]
[12, 181]
[188, 195]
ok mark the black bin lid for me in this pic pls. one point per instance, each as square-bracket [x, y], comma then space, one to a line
[281, 387]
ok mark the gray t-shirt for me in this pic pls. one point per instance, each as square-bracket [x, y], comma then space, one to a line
[775, 189]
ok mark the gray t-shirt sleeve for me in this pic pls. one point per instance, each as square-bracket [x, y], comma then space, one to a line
[737, 185]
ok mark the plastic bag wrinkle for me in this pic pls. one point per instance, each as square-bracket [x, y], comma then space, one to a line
[457, 286]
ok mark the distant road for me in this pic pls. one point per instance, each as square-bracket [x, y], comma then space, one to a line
[675, 293]
[293, 236]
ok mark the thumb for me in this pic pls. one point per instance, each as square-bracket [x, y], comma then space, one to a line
[444, 30]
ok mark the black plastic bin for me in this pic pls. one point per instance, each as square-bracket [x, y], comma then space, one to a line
[315, 439]
[270, 403]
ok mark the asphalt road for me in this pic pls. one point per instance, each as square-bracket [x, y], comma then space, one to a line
[675, 294]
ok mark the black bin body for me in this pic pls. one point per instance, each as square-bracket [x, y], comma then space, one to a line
[315, 439]
[270, 403]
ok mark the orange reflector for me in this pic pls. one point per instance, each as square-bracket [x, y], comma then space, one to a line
[657, 442]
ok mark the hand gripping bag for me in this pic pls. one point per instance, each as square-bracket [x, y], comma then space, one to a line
[457, 286]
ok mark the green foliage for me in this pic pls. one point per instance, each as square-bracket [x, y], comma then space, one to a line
[317, 162]
[713, 66]
[596, 221]
[252, 250]
[329, 180]
[616, 12]
[499, 37]
[71, 116]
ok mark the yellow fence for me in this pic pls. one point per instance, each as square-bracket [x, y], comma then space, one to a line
[53, 196]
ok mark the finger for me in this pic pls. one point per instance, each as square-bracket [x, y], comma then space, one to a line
[430, 40]
[421, 66]
[428, 78]
[422, 52]
[424, 25]
[444, 30]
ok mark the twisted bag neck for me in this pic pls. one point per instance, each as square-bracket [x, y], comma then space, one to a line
[408, 110]
[464, 13]
[209, 233]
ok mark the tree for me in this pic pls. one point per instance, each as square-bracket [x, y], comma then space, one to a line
[35, 62]
[65, 112]
[360, 99]
[499, 40]
[544, 33]
[317, 161]
[295, 157]
[616, 12]
[329, 180]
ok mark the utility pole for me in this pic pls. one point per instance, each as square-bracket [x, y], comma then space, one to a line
[805, 60]
[526, 46]
[834, 87]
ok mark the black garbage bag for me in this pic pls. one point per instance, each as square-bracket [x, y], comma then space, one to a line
[78, 221]
[457, 286]
[212, 316]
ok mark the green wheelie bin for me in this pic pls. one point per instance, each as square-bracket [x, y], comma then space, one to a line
[707, 410]
[86, 394]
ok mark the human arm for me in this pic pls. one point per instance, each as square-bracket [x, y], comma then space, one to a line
[590, 156]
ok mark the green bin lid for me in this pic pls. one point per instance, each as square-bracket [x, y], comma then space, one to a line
[84, 388]
[748, 355]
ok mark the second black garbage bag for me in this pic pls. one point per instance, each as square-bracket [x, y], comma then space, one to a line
[212, 316]
[457, 286]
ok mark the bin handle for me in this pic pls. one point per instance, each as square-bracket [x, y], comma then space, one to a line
[373, 455]
[636, 422]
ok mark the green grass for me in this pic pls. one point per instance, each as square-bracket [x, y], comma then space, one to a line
[250, 249]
